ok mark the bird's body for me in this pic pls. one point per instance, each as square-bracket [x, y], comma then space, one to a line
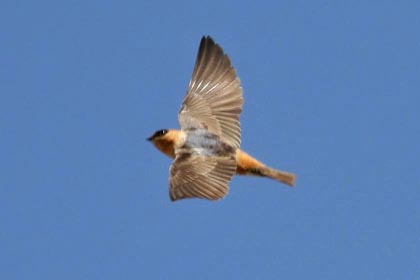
[206, 151]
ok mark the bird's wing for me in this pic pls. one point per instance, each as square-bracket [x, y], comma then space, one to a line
[214, 97]
[200, 177]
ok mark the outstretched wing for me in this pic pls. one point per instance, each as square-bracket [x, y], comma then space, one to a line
[214, 98]
[200, 177]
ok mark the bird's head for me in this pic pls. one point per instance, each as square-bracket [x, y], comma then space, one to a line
[165, 140]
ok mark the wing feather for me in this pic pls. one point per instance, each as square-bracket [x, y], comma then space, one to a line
[214, 98]
[201, 177]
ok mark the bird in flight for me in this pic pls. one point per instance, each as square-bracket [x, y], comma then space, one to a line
[206, 151]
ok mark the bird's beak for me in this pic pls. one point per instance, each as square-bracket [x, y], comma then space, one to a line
[150, 138]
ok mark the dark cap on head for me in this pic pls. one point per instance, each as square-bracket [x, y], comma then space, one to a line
[158, 133]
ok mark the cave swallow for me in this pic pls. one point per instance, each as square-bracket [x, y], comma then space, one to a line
[206, 151]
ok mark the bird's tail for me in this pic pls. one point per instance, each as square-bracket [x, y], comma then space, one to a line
[282, 176]
[248, 165]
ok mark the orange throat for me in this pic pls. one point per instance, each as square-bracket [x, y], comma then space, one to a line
[166, 147]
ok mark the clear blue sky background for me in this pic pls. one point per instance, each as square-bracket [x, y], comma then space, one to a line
[332, 93]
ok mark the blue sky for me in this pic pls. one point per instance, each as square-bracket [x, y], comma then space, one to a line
[332, 93]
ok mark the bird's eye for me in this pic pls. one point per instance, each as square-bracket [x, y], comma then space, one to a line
[162, 132]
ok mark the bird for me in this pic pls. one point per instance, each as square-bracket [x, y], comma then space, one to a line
[206, 150]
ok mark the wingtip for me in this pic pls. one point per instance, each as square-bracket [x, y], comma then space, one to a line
[207, 37]
[207, 40]
[173, 197]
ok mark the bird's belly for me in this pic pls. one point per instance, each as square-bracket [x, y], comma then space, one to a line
[204, 143]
